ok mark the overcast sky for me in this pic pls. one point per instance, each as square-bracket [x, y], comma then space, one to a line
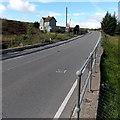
[87, 14]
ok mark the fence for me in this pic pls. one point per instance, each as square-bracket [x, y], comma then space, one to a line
[23, 40]
[85, 75]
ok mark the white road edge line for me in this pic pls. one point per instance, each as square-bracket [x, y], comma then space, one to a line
[64, 103]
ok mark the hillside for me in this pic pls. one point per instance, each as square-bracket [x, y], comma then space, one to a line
[11, 27]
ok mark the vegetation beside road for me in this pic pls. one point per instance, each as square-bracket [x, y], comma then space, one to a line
[109, 101]
[17, 34]
[17, 41]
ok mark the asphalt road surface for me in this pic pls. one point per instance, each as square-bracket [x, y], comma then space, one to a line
[35, 85]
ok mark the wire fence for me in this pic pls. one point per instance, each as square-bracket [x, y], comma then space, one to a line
[103, 112]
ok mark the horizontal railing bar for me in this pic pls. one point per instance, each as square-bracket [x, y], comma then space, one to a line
[86, 62]
[84, 88]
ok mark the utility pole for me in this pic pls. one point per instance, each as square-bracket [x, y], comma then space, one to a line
[119, 11]
[66, 15]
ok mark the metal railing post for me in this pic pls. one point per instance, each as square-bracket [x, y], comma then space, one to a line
[91, 63]
[79, 74]
[96, 59]
[97, 53]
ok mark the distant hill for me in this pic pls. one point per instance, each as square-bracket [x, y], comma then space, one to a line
[11, 27]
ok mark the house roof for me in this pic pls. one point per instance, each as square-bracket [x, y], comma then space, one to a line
[47, 19]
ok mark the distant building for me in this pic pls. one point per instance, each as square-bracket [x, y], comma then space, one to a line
[119, 11]
[47, 24]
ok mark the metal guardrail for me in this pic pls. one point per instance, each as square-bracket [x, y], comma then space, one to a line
[88, 68]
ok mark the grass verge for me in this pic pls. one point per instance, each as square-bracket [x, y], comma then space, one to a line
[22, 40]
[109, 99]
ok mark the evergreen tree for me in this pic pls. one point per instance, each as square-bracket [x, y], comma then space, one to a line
[109, 24]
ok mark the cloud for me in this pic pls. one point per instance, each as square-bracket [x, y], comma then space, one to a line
[92, 22]
[87, 24]
[61, 24]
[2, 8]
[113, 8]
[100, 13]
[5, 16]
[48, 13]
[20, 5]
[46, 1]
[78, 14]
[98, 16]
[24, 17]
[54, 14]
[83, 13]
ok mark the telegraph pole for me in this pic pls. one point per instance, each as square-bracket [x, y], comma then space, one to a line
[66, 15]
[119, 11]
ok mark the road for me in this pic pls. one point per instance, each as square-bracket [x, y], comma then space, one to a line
[35, 85]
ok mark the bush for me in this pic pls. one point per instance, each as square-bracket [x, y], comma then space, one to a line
[76, 29]
[36, 25]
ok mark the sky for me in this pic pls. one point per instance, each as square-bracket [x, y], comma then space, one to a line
[87, 14]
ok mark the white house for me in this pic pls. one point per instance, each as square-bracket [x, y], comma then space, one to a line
[47, 24]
